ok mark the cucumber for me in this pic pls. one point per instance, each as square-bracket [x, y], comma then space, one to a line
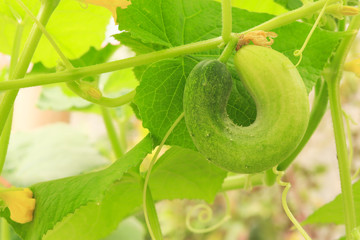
[282, 110]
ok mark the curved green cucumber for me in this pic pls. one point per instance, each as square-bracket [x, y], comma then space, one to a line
[282, 110]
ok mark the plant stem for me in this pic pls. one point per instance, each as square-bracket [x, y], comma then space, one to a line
[103, 101]
[342, 156]
[16, 49]
[284, 203]
[240, 181]
[230, 47]
[7, 103]
[5, 230]
[5, 136]
[105, 112]
[73, 74]
[291, 16]
[155, 229]
[110, 128]
[74, 86]
[333, 77]
[147, 177]
[4, 140]
[226, 21]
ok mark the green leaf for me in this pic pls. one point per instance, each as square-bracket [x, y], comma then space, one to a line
[162, 83]
[163, 98]
[69, 19]
[47, 153]
[64, 203]
[315, 57]
[97, 220]
[119, 81]
[333, 212]
[130, 228]
[261, 6]
[91, 57]
[54, 98]
[139, 47]
[290, 4]
[183, 173]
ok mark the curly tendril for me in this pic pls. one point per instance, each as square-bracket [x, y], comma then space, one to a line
[298, 53]
[287, 186]
[205, 214]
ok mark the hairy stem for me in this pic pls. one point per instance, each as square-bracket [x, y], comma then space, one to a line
[16, 49]
[153, 220]
[147, 177]
[73, 74]
[5, 136]
[110, 128]
[229, 49]
[241, 181]
[4, 140]
[5, 230]
[75, 86]
[7, 102]
[226, 20]
[292, 16]
[333, 77]
[287, 186]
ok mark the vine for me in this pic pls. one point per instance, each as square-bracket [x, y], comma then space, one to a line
[73, 74]
[287, 186]
[45, 12]
[205, 215]
[228, 39]
[333, 75]
[147, 178]
[298, 53]
[90, 93]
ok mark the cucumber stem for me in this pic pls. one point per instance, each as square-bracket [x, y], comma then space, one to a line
[226, 20]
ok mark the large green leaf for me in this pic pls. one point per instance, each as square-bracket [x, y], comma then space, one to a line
[333, 212]
[263, 6]
[47, 153]
[130, 228]
[171, 23]
[90, 206]
[183, 173]
[97, 219]
[68, 202]
[73, 27]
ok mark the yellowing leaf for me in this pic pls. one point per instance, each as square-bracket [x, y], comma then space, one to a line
[353, 66]
[110, 4]
[20, 203]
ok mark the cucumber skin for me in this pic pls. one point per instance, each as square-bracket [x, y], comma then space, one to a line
[282, 110]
